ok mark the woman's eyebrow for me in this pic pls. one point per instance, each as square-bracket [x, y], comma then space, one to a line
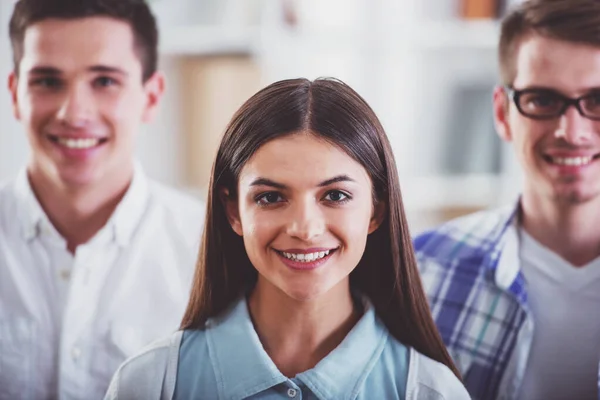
[267, 182]
[277, 185]
[339, 178]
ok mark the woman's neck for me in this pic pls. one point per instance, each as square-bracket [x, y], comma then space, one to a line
[298, 334]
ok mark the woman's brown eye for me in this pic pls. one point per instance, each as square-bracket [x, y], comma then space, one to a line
[336, 196]
[268, 198]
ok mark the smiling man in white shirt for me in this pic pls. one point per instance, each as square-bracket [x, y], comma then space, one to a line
[95, 259]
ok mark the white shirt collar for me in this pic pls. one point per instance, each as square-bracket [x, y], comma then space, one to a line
[121, 224]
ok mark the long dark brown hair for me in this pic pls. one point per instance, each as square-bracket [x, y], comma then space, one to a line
[387, 273]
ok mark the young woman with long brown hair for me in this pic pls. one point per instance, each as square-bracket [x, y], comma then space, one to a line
[306, 284]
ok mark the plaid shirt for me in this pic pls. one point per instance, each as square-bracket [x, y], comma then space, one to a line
[471, 273]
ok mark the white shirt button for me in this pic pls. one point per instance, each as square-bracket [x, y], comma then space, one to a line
[292, 392]
[46, 230]
[75, 353]
[65, 274]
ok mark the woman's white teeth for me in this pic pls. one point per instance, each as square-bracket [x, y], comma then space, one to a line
[575, 161]
[306, 257]
[79, 143]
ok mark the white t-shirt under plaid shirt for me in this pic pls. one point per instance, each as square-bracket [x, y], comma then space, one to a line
[564, 301]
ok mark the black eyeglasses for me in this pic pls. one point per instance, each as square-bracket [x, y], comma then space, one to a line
[545, 104]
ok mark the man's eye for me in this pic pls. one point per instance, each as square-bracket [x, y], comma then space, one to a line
[543, 101]
[593, 100]
[50, 83]
[105, 81]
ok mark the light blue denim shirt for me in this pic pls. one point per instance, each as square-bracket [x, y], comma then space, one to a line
[226, 361]
[368, 364]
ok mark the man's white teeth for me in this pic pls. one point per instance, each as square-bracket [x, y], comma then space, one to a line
[79, 143]
[306, 257]
[572, 161]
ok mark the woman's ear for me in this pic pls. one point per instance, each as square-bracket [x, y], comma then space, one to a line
[379, 210]
[232, 210]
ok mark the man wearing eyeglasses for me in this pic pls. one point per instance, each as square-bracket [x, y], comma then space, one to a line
[515, 291]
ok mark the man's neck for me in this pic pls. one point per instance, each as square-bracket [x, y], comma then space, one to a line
[298, 334]
[570, 230]
[78, 213]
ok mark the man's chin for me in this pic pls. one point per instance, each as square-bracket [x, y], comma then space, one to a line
[78, 179]
[575, 196]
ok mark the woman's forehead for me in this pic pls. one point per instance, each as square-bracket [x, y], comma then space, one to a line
[303, 159]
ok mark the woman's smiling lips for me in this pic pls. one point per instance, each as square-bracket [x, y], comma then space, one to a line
[305, 259]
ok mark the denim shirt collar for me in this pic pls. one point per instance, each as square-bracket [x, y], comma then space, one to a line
[243, 368]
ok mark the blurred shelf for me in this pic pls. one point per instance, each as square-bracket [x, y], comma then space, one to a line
[461, 191]
[208, 40]
[457, 35]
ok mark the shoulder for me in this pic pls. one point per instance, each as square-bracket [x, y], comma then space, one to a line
[180, 208]
[179, 201]
[144, 375]
[464, 241]
[432, 380]
[5, 187]
[7, 191]
[9, 204]
[194, 345]
[470, 231]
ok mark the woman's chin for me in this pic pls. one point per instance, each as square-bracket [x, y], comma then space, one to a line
[307, 293]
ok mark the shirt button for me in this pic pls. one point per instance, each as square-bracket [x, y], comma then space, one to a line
[292, 392]
[75, 353]
[65, 274]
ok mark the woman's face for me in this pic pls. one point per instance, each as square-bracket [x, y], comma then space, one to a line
[304, 210]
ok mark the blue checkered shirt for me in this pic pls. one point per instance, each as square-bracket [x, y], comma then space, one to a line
[471, 273]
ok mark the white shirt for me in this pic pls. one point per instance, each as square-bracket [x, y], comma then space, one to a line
[564, 300]
[68, 321]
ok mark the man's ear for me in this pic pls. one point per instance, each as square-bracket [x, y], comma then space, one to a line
[379, 210]
[154, 89]
[501, 103]
[232, 210]
[13, 83]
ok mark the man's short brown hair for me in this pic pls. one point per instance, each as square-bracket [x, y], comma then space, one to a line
[576, 21]
[135, 12]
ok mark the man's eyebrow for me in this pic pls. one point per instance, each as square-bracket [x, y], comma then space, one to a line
[45, 70]
[53, 71]
[107, 69]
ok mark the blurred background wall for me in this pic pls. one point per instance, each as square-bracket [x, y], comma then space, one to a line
[427, 67]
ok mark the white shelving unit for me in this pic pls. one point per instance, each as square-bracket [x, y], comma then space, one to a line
[468, 191]
[447, 54]
[205, 40]
[457, 35]
[399, 53]
[385, 60]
